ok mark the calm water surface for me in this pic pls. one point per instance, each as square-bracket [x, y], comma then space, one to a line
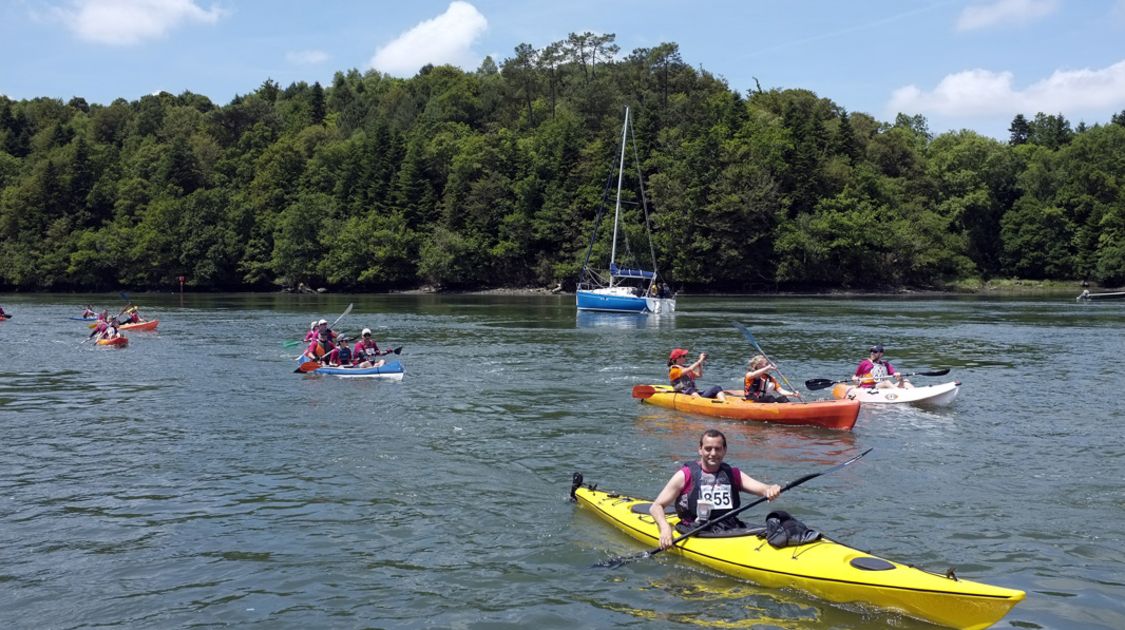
[192, 479]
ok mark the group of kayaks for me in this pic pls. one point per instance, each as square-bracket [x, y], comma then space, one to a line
[839, 413]
[825, 568]
[120, 340]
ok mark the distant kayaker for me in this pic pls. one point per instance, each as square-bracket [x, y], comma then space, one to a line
[760, 386]
[706, 489]
[341, 355]
[89, 312]
[874, 371]
[683, 376]
[105, 329]
[366, 352]
[309, 336]
[323, 343]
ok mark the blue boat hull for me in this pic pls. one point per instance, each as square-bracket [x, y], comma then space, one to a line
[589, 301]
[392, 370]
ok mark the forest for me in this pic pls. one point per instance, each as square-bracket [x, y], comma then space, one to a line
[493, 178]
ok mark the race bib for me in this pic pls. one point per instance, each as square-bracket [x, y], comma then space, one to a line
[719, 495]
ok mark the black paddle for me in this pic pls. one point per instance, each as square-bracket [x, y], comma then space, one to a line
[820, 383]
[613, 563]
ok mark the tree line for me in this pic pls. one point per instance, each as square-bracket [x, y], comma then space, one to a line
[494, 177]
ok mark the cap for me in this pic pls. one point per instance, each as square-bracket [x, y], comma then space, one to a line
[323, 321]
[312, 324]
[366, 331]
[342, 338]
[677, 353]
[876, 348]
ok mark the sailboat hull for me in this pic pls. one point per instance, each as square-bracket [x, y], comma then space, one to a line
[615, 301]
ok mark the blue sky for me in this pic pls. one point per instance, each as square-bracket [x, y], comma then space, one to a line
[961, 63]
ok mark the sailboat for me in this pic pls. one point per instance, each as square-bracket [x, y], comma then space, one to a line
[624, 289]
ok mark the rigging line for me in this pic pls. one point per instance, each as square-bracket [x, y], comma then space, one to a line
[644, 202]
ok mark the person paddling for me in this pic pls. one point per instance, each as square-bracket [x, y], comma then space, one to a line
[323, 343]
[341, 355]
[706, 490]
[366, 352]
[760, 386]
[874, 371]
[89, 312]
[683, 376]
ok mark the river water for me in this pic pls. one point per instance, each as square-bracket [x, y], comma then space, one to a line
[192, 479]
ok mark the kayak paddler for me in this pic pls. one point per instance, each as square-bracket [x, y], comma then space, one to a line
[682, 377]
[705, 490]
[875, 371]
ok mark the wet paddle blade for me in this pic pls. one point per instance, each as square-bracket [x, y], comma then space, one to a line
[819, 383]
[307, 366]
[643, 391]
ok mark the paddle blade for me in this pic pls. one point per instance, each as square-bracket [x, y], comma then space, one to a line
[397, 350]
[818, 383]
[307, 366]
[643, 391]
[941, 372]
[613, 563]
[292, 343]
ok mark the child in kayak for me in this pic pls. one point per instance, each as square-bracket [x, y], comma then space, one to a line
[683, 376]
[760, 386]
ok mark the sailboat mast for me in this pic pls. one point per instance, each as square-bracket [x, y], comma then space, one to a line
[617, 208]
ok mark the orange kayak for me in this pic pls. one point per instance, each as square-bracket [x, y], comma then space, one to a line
[120, 342]
[830, 414]
[149, 325]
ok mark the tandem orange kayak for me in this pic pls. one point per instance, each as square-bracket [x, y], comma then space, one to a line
[830, 414]
[149, 325]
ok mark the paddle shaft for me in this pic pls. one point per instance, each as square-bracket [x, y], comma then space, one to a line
[821, 383]
[616, 562]
[750, 337]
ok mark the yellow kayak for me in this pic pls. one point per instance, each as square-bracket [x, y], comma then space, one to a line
[825, 568]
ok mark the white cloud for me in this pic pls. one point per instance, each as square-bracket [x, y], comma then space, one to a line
[446, 39]
[983, 92]
[1004, 12]
[306, 57]
[126, 22]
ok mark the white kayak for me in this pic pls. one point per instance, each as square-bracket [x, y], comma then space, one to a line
[925, 395]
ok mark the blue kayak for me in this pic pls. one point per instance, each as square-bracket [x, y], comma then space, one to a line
[84, 319]
[391, 370]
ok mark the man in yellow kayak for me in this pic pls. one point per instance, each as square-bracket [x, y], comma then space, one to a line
[706, 489]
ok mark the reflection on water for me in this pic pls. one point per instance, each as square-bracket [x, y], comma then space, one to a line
[597, 319]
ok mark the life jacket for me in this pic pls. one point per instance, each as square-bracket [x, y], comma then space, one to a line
[721, 488]
[325, 343]
[757, 387]
[878, 370]
[345, 354]
[683, 381]
[366, 351]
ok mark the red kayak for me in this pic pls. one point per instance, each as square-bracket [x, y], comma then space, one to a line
[119, 342]
[149, 325]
